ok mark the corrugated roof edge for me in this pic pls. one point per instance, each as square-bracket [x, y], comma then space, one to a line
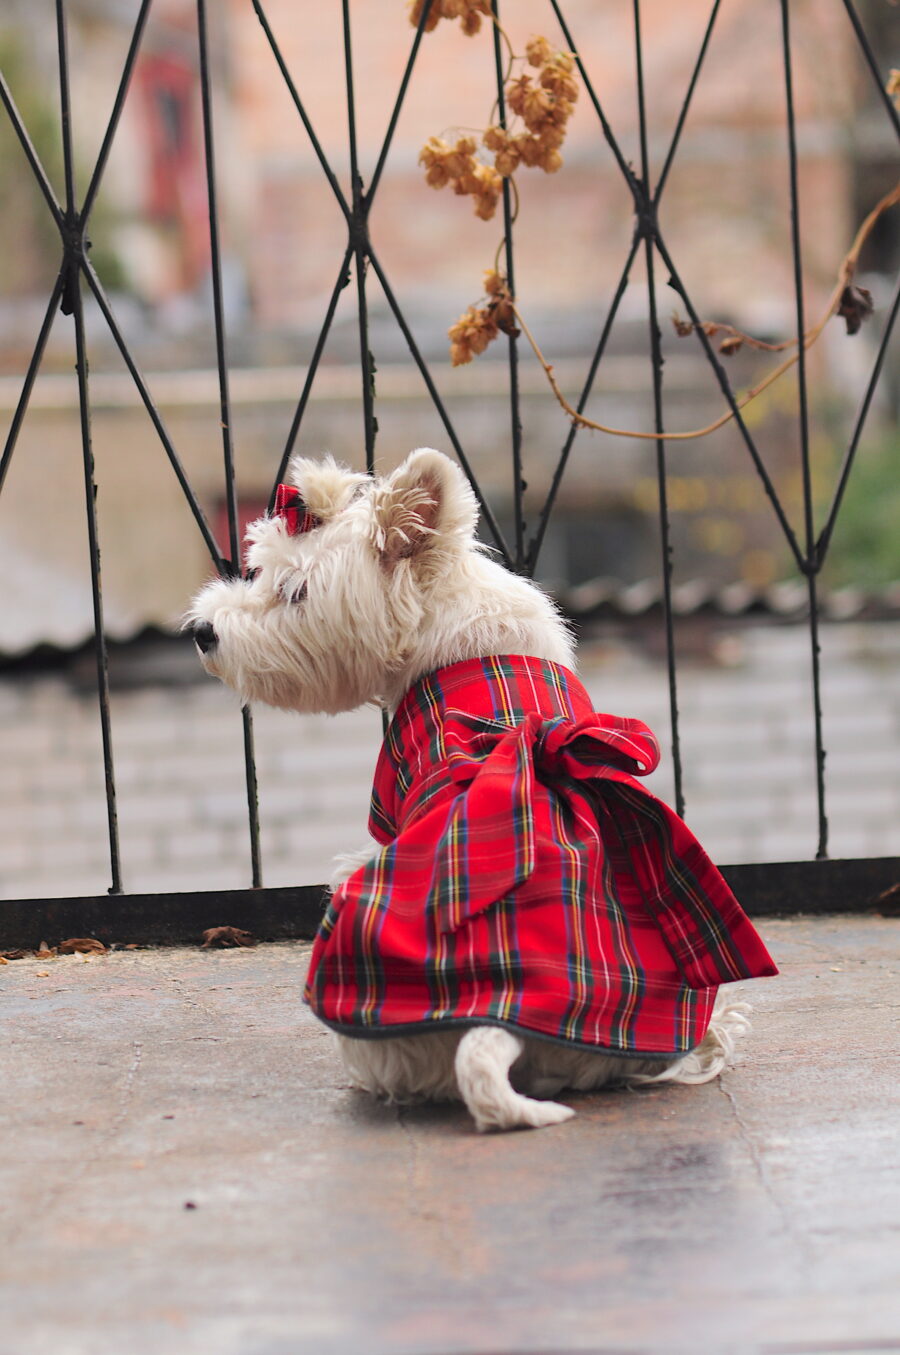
[596, 601]
[600, 598]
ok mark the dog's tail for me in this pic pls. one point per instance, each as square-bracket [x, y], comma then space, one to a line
[484, 1057]
[715, 1051]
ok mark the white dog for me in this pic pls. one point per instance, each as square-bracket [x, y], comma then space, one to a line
[532, 919]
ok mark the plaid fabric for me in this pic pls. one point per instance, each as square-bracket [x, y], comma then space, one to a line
[527, 878]
[290, 506]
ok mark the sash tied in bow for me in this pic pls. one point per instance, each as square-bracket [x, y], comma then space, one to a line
[489, 837]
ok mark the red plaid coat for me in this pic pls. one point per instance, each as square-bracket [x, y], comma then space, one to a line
[526, 878]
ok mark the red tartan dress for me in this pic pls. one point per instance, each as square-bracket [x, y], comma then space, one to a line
[526, 878]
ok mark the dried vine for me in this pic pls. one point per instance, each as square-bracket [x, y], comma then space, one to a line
[543, 103]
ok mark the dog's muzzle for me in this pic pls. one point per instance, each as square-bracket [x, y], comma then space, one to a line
[205, 637]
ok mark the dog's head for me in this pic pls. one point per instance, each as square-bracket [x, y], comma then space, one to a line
[342, 581]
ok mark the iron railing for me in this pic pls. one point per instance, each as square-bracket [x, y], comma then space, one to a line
[357, 257]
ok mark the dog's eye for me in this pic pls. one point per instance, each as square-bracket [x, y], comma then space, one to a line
[299, 594]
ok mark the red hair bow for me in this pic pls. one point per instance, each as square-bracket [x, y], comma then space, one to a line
[290, 506]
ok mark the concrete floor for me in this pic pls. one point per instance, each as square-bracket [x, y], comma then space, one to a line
[183, 1171]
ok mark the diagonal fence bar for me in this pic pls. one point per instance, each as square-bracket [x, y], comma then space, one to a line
[34, 364]
[343, 280]
[811, 565]
[118, 105]
[544, 518]
[824, 540]
[31, 154]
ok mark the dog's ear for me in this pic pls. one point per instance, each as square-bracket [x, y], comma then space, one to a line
[325, 486]
[424, 507]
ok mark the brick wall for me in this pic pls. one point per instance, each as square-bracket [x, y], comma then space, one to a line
[747, 743]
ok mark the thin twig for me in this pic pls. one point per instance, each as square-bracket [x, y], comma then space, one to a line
[845, 275]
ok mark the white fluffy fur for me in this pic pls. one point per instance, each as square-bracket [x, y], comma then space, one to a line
[392, 585]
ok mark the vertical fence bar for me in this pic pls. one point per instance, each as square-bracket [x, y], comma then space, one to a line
[515, 409]
[647, 225]
[225, 413]
[359, 236]
[811, 565]
[73, 244]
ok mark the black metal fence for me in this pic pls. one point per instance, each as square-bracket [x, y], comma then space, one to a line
[358, 257]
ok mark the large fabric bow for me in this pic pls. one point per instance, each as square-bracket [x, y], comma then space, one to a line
[492, 823]
[289, 505]
[483, 844]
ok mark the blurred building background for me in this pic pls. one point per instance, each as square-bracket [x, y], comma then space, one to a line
[725, 217]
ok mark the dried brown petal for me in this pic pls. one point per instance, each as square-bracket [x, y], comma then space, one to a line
[507, 162]
[471, 334]
[559, 83]
[537, 105]
[550, 137]
[538, 51]
[486, 207]
[733, 344]
[468, 183]
[13, 954]
[550, 161]
[494, 282]
[434, 15]
[433, 152]
[516, 92]
[530, 149]
[856, 306]
[460, 161]
[436, 175]
[682, 327]
[496, 139]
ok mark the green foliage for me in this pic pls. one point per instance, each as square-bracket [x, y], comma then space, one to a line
[24, 216]
[865, 548]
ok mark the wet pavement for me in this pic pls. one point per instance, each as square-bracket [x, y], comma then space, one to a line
[184, 1171]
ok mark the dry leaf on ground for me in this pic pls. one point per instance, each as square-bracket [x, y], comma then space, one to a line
[226, 936]
[82, 945]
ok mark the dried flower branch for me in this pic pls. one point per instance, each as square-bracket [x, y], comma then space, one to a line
[541, 105]
[544, 103]
[469, 13]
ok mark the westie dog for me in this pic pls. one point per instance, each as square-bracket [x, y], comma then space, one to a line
[532, 918]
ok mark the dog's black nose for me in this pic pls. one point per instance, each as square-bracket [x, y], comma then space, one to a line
[205, 637]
